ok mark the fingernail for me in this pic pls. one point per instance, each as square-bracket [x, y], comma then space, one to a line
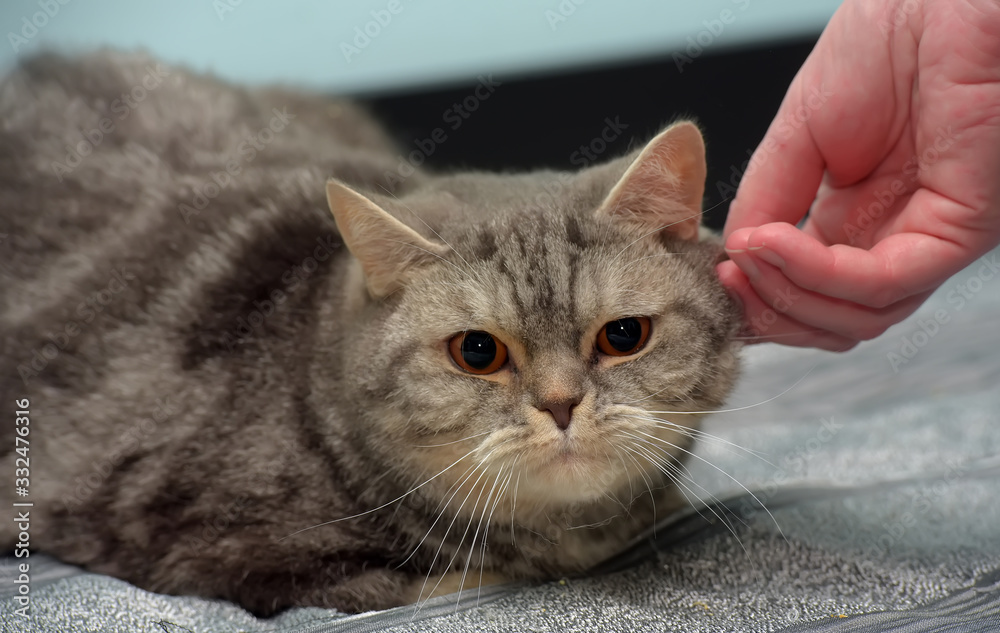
[767, 255]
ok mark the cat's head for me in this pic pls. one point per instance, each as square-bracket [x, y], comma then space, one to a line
[543, 329]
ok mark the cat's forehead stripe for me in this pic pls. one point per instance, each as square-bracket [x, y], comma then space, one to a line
[548, 268]
[539, 263]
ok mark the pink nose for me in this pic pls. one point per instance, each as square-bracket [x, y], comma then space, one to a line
[562, 412]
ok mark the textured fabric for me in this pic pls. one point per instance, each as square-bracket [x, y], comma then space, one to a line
[880, 475]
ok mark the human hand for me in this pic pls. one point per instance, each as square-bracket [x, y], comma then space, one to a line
[895, 119]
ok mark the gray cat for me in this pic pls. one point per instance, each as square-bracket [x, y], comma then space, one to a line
[233, 392]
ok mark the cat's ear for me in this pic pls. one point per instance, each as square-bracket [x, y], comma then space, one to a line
[663, 187]
[389, 251]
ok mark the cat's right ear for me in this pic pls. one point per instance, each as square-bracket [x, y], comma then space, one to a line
[389, 251]
[663, 186]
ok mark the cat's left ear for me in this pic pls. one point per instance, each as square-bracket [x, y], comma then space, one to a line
[663, 187]
[390, 252]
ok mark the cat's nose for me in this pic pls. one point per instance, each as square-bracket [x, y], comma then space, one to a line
[562, 412]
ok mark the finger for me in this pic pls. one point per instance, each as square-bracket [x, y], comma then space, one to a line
[784, 172]
[899, 266]
[739, 240]
[765, 324]
[847, 319]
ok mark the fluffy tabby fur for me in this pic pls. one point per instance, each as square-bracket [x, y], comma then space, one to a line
[211, 371]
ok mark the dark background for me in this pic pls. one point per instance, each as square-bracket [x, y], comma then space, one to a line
[541, 121]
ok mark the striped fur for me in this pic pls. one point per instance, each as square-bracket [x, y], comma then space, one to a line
[206, 385]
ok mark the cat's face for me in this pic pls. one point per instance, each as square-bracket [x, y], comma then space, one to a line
[539, 349]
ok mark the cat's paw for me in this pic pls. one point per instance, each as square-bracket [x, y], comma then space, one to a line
[423, 589]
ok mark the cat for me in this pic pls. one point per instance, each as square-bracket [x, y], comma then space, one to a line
[263, 363]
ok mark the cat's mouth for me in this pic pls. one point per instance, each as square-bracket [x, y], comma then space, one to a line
[569, 469]
[567, 455]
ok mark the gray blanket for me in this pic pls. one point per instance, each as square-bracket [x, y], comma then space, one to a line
[875, 506]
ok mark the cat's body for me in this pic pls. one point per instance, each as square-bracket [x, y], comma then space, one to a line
[205, 380]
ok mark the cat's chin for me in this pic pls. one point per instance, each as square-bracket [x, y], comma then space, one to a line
[571, 477]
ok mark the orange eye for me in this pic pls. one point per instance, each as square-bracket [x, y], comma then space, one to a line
[624, 336]
[477, 352]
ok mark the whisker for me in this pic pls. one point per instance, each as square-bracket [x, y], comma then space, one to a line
[631, 492]
[470, 271]
[677, 470]
[657, 230]
[736, 481]
[647, 480]
[464, 439]
[384, 505]
[759, 337]
[716, 205]
[475, 535]
[442, 507]
[614, 260]
[652, 395]
[685, 490]
[489, 521]
[452, 264]
[661, 464]
[702, 436]
[653, 256]
[749, 406]
[447, 531]
[513, 509]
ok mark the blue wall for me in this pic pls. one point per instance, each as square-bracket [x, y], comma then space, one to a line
[418, 43]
